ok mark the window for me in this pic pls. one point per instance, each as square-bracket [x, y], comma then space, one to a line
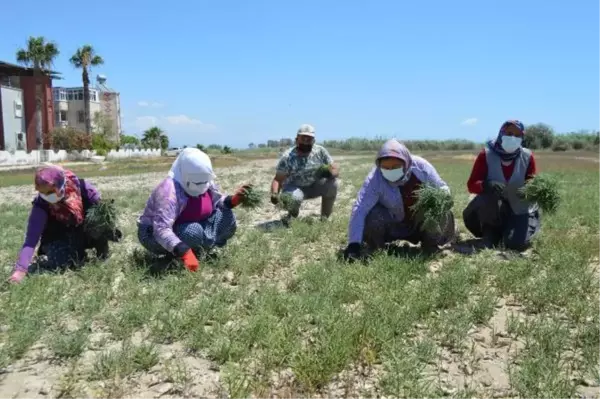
[80, 95]
[62, 116]
[63, 95]
[93, 96]
[56, 95]
[70, 95]
[80, 117]
[18, 109]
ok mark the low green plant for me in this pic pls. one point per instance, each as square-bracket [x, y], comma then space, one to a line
[432, 205]
[544, 191]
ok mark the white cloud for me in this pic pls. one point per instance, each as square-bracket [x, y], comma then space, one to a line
[183, 120]
[469, 122]
[150, 104]
[172, 123]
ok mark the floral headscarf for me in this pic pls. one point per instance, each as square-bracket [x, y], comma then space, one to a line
[70, 209]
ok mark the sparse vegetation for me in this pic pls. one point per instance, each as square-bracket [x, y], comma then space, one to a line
[276, 313]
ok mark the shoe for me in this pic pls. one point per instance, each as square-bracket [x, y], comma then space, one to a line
[489, 239]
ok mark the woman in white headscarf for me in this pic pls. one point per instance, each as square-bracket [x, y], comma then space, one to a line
[186, 215]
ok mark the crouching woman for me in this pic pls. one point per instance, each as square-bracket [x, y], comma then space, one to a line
[382, 212]
[186, 215]
[58, 222]
[498, 214]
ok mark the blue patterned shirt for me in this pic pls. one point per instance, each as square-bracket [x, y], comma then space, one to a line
[301, 169]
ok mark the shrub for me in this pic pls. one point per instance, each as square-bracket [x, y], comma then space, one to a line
[69, 139]
[560, 145]
[578, 145]
[101, 152]
[101, 143]
[227, 150]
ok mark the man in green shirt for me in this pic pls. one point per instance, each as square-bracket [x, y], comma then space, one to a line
[306, 171]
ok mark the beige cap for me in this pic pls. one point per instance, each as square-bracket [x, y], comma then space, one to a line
[306, 130]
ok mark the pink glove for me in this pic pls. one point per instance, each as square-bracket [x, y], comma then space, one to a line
[17, 276]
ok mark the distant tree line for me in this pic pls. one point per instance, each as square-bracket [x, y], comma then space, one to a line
[272, 144]
[537, 136]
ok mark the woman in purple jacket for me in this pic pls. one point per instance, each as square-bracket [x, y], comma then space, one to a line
[186, 214]
[56, 222]
[382, 213]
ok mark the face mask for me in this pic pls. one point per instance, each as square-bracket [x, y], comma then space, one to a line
[196, 190]
[511, 144]
[305, 148]
[393, 175]
[51, 198]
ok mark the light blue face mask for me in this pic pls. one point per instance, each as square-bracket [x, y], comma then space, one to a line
[393, 175]
[511, 144]
[54, 198]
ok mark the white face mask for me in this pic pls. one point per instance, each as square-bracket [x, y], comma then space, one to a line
[393, 175]
[51, 198]
[511, 144]
[196, 189]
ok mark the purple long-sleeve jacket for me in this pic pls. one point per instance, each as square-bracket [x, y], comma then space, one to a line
[38, 217]
[376, 190]
[165, 204]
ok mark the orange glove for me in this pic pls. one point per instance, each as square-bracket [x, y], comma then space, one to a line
[190, 261]
[240, 193]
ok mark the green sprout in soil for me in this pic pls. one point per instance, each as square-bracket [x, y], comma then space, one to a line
[542, 190]
[431, 207]
[101, 219]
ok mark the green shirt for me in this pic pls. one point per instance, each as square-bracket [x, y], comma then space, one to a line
[301, 169]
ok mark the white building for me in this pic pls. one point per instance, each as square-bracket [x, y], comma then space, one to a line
[69, 106]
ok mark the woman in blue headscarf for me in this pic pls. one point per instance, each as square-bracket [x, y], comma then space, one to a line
[498, 214]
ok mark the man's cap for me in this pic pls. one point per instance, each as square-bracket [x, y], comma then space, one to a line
[306, 130]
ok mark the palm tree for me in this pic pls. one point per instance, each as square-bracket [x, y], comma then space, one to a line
[85, 57]
[155, 137]
[40, 55]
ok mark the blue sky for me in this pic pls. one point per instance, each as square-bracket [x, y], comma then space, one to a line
[235, 72]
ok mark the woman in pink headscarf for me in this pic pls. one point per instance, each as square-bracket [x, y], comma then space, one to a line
[382, 211]
[56, 222]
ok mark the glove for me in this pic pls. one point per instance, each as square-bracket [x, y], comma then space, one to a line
[190, 261]
[240, 194]
[17, 276]
[494, 187]
[274, 198]
[352, 252]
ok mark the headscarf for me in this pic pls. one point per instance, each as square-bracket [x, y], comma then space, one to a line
[192, 166]
[395, 149]
[70, 209]
[496, 145]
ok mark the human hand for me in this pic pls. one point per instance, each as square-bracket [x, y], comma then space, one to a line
[274, 198]
[494, 187]
[17, 276]
[190, 261]
[352, 252]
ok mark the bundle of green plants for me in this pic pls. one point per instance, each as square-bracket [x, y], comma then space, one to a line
[323, 171]
[431, 207]
[252, 199]
[101, 219]
[286, 201]
[542, 190]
